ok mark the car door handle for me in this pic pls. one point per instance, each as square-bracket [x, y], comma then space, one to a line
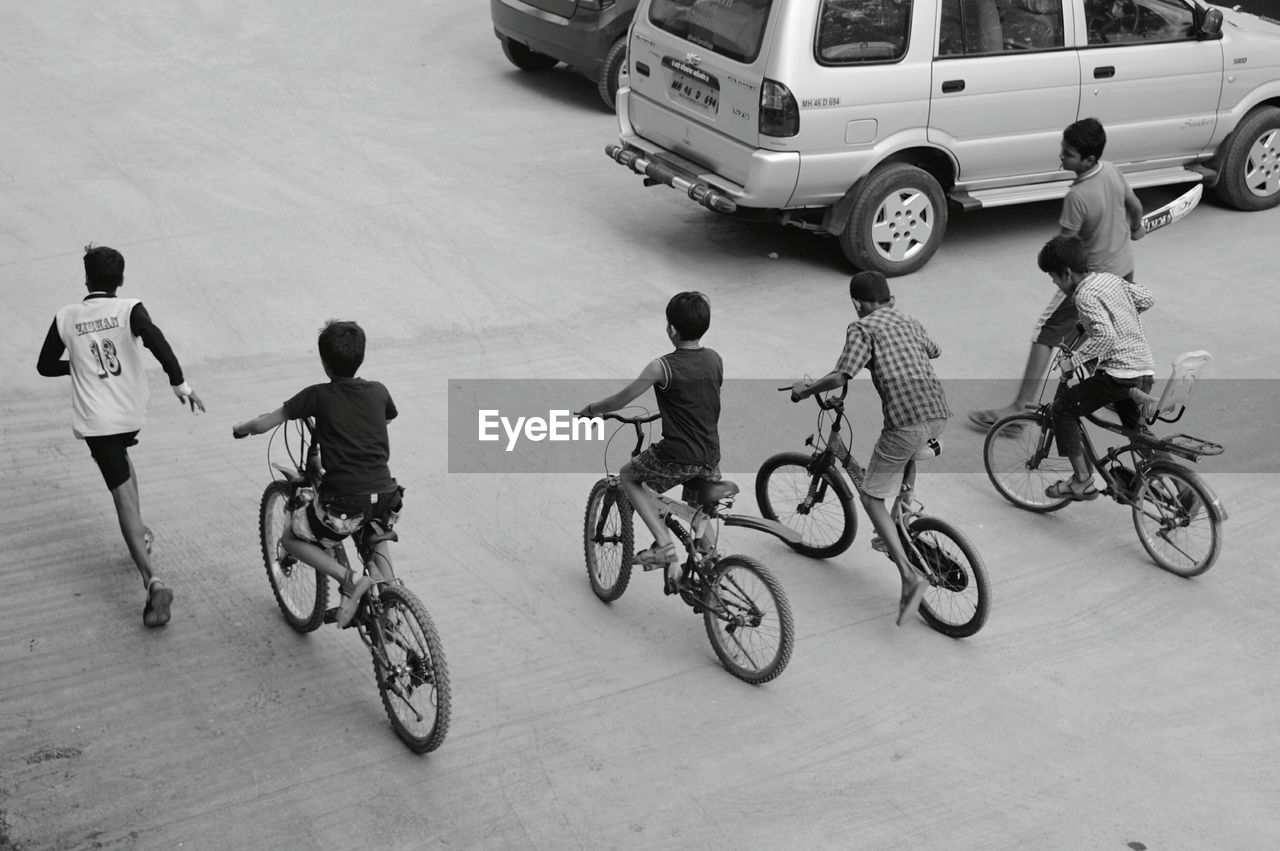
[952, 86]
[1103, 72]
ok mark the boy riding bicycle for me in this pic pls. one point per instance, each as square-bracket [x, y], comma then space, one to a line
[687, 385]
[351, 416]
[1108, 306]
[896, 350]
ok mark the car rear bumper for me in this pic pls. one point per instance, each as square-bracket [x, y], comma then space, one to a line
[770, 176]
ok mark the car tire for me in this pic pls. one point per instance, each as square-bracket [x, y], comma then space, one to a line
[898, 220]
[1250, 175]
[611, 71]
[526, 58]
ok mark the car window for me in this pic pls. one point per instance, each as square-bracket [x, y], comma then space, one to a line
[1138, 21]
[981, 27]
[853, 31]
[731, 28]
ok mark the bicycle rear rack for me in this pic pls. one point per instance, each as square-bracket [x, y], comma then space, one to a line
[1191, 447]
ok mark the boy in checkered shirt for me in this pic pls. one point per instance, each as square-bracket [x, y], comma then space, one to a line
[897, 351]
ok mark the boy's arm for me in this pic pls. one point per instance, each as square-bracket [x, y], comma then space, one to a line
[1133, 211]
[1141, 297]
[1100, 332]
[50, 364]
[259, 424]
[649, 376]
[1071, 219]
[153, 338]
[831, 381]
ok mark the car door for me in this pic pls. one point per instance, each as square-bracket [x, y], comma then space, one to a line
[1147, 77]
[1004, 86]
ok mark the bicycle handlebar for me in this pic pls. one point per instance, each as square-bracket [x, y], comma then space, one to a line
[633, 421]
[832, 402]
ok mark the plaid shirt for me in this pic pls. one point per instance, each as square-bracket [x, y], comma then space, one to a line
[1109, 306]
[897, 351]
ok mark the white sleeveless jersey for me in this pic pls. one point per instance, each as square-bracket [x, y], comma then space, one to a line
[109, 391]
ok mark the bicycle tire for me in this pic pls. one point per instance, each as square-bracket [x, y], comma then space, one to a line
[1018, 459]
[1181, 535]
[301, 593]
[786, 480]
[608, 540]
[418, 682]
[959, 597]
[748, 619]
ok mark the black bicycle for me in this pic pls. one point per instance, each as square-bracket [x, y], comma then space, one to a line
[812, 493]
[1177, 516]
[408, 658]
[743, 607]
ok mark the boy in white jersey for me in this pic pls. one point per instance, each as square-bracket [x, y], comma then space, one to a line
[103, 337]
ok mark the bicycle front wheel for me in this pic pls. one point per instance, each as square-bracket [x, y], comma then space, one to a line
[1017, 455]
[414, 683]
[816, 506]
[301, 594]
[608, 540]
[748, 619]
[959, 595]
[1174, 522]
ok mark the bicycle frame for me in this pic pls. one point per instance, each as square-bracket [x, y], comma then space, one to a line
[906, 507]
[697, 518]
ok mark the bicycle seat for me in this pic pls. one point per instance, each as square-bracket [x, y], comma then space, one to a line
[707, 492]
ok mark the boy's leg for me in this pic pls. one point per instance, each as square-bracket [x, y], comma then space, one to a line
[1058, 319]
[882, 481]
[647, 467]
[352, 585]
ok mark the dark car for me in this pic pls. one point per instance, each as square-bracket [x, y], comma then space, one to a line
[587, 35]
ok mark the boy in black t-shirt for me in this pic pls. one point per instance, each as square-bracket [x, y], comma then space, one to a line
[687, 384]
[351, 417]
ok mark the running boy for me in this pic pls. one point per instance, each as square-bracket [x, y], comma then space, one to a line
[1103, 212]
[687, 385]
[896, 349]
[1108, 306]
[109, 395]
[351, 416]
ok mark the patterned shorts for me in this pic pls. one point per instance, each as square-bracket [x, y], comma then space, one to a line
[328, 521]
[663, 475]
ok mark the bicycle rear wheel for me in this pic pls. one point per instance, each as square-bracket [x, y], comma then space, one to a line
[1019, 461]
[1174, 522]
[748, 619]
[818, 507]
[301, 594]
[608, 540]
[415, 685]
[959, 595]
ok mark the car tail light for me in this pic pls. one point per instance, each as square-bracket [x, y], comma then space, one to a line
[595, 5]
[779, 113]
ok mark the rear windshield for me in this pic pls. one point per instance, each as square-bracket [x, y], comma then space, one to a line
[852, 31]
[731, 28]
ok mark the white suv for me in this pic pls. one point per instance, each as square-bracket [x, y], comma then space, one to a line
[865, 118]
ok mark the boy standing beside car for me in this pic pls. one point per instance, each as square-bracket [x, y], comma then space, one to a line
[1101, 209]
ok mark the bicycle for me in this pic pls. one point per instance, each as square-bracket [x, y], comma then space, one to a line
[806, 492]
[745, 612]
[408, 659]
[1177, 516]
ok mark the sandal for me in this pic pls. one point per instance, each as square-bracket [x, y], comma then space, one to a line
[1072, 489]
[351, 598]
[657, 555]
[156, 611]
[148, 538]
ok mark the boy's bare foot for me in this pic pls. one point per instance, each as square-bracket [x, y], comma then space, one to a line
[159, 597]
[912, 594]
[351, 600]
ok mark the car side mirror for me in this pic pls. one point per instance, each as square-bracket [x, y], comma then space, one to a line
[1211, 26]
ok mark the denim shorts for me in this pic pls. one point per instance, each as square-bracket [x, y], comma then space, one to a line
[893, 450]
[662, 475]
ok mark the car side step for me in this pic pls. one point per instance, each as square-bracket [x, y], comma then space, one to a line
[976, 199]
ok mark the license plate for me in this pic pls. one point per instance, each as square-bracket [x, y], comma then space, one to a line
[692, 86]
